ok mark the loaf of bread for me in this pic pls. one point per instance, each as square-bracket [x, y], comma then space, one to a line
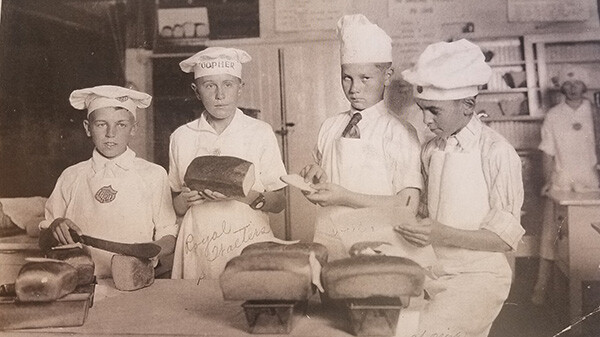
[80, 259]
[131, 273]
[367, 276]
[300, 247]
[363, 247]
[45, 280]
[230, 176]
[267, 276]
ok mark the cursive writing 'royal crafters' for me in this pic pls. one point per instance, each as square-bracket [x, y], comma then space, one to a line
[213, 246]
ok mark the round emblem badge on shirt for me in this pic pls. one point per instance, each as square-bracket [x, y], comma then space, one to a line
[577, 126]
[106, 194]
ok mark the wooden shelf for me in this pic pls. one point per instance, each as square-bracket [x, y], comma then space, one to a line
[574, 61]
[516, 118]
[506, 64]
[507, 91]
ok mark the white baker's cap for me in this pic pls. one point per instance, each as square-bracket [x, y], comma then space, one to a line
[109, 96]
[362, 41]
[216, 60]
[448, 71]
[572, 73]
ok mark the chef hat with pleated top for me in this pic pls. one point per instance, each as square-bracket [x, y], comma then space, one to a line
[448, 71]
[215, 61]
[362, 41]
[572, 73]
[109, 96]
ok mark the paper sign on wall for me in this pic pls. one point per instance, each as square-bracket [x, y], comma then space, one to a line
[548, 10]
[303, 15]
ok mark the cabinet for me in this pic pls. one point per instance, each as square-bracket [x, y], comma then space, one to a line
[578, 247]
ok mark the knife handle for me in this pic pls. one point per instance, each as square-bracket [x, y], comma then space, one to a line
[76, 237]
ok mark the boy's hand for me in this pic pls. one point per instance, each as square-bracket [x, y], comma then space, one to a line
[419, 232]
[328, 194]
[60, 230]
[191, 197]
[313, 174]
[214, 196]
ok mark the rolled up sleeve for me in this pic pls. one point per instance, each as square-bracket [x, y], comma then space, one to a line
[503, 176]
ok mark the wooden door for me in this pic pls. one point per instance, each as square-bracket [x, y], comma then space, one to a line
[313, 93]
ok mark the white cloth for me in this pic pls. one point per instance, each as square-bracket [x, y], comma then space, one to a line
[109, 96]
[472, 285]
[214, 232]
[362, 41]
[384, 161]
[216, 60]
[23, 211]
[568, 136]
[448, 71]
[141, 209]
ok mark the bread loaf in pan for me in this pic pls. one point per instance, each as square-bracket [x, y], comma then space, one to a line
[367, 276]
[80, 259]
[230, 176]
[131, 273]
[267, 276]
[45, 280]
[300, 247]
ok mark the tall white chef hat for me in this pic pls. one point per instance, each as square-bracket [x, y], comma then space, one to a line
[572, 73]
[362, 41]
[448, 71]
[216, 60]
[109, 96]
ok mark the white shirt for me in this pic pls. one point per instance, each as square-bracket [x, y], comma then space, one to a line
[141, 208]
[568, 136]
[245, 137]
[501, 167]
[391, 143]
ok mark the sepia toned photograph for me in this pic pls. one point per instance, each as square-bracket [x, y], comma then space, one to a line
[408, 168]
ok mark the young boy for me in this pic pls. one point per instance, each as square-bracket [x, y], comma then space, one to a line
[374, 162]
[474, 195]
[216, 228]
[569, 161]
[114, 195]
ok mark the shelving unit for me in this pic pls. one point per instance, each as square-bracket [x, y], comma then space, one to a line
[546, 53]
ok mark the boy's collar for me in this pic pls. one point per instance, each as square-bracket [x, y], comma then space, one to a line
[469, 133]
[124, 160]
[201, 124]
[369, 112]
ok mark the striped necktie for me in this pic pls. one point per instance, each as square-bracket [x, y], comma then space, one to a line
[351, 130]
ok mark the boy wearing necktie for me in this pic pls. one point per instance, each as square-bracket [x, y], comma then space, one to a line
[364, 157]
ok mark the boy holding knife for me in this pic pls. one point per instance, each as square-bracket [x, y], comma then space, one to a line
[114, 195]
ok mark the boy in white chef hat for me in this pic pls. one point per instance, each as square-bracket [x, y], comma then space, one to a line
[373, 162]
[569, 160]
[474, 194]
[222, 129]
[114, 195]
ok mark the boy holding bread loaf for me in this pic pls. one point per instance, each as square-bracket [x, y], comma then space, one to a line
[474, 195]
[366, 156]
[114, 195]
[215, 226]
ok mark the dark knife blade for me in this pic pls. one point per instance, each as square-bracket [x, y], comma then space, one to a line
[142, 250]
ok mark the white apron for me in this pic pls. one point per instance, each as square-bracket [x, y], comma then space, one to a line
[472, 285]
[128, 215]
[212, 233]
[358, 166]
